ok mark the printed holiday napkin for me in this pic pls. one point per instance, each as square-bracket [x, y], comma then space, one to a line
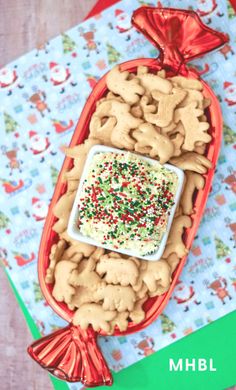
[41, 97]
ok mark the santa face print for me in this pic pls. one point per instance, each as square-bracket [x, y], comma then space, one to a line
[231, 94]
[183, 293]
[38, 144]
[59, 74]
[7, 77]
[206, 6]
[39, 210]
[123, 21]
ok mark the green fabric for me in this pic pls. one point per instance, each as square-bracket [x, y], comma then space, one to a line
[217, 341]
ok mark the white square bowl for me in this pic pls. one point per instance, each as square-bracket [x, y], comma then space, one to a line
[73, 230]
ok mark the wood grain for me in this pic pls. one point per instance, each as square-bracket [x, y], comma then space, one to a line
[25, 24]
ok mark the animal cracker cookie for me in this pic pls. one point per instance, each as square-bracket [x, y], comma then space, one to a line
[166, 107]
[192, 161]
[72, 185]
[62, 290]
[125, 122]
[141, 290]
[63, 205]
[96, 255]
[161, 73]
[72, 254]
[175, 242]
[150, 141]
[57, 251]
[80, 248]
[193, 95]
[194, 129]
[200, 149]
[121, 321]
[178, 211]
[142, 70]
[146, 105]
[177, 139]
[82, 295]
[111, 95]
[203, 118]
[85, 275]
[62, 210]
[78, 251]
[117, 270]
[171, 128]
[116, 297]
[153, 82]
[93, 314]
[102, 131]
[137, 315]
[157, 276]
[79, 154]
[186, 83]
[194, 181]
[173, 261]
[118, 83]
[65, 236]
[136, 111]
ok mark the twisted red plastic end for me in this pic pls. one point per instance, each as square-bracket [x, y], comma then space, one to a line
[72, 354]
[179, 34]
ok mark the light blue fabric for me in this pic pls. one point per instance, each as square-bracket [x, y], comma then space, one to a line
[32, 140]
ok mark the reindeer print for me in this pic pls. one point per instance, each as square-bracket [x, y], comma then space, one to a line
[230, 180]
[218, 287]
[89, 36]
[38, 101]
[14, 162]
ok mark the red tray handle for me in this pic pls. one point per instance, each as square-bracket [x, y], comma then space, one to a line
[72, 354]
[179, 34]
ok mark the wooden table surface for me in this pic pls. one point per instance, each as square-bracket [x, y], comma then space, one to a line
[25, 24]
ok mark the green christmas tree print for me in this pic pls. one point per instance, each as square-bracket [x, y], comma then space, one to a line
[37, 292]
[10, 123]
[54, 175]
[4, 220]
[166, 324]
[230, 10]
[112, 54]
[229, 135]
[68, 44]
[222, 249]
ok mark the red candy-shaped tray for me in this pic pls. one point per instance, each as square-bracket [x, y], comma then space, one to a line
[71, 353]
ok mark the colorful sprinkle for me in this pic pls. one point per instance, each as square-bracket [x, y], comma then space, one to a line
[125, 202]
